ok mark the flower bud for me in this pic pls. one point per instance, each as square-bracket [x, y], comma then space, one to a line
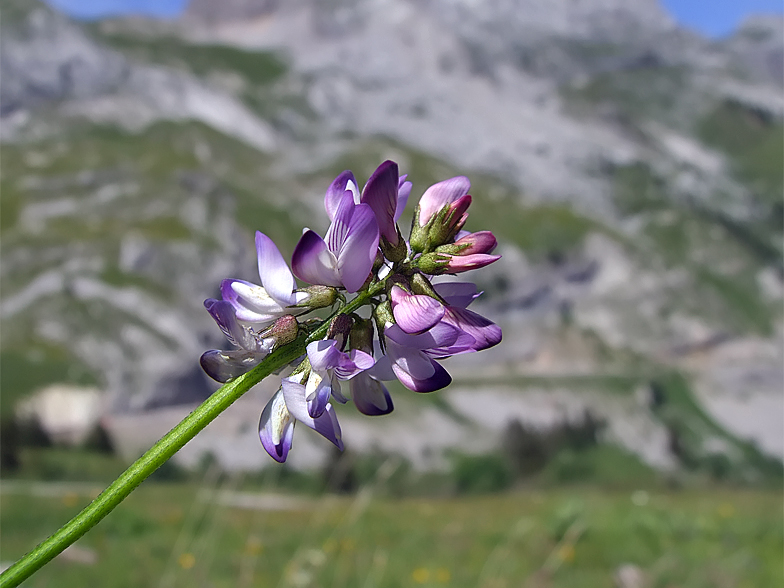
[397, 252]
[479, 242]
[361, 335]
[383, 314]
[433, 264]
[419, 234]
[438, 263]
[449, 221]
[283, 331]
[339, 329]
[318, 297]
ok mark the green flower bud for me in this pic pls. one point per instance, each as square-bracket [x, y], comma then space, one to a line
[318, 297]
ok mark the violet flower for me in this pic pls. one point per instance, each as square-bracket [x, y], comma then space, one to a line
[263, 304]
[412, 357]
[284, 409]
[440, 195]
[458, 296]
[346, 257]
[414, 313]
[224, 366]
[329, 365]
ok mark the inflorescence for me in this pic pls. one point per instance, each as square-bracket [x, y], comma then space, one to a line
[413, 321]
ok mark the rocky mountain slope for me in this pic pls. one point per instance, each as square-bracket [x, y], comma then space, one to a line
[631, 170]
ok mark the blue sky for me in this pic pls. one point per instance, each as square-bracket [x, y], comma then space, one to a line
[713, 18]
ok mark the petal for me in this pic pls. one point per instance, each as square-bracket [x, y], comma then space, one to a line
[338, 229]
[464, 263]
[358, 251]
[415, 313]
[276, 277]
[312, 262]
[371, 396]
[326, 424]
[412, 361]
[324, 354]
[459, 294]
[382, 370]
[352, 364]
[224, 366]
[441, 194]
[439, 379]
[381, 194]
[479, 242]
[317, 392]
[276, 428]
[403, 192]
[336, 191]
[251, 303]
[441, 335]
[224, 314]
[485, 332]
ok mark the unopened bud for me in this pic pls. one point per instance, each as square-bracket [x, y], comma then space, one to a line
[383, 314]
[283, 331]
[419, 235]
[433, 263]
[449, 221]
[421, 285]
[339, 329]
[318, 297]
[396, 252]
[361, 336]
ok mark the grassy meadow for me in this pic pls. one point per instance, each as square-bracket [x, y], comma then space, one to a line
[234, 531]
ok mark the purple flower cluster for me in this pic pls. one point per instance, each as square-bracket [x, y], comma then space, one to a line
[409, 322]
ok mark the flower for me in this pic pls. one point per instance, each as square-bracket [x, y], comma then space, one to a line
[328, 366]
[412, 357]
[458, 296]
[413, 324]
[284, 409]
[415, 313]
[263, 304]
[346, 257]
[224, 366]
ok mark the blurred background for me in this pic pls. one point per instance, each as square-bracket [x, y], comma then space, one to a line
[628, 431]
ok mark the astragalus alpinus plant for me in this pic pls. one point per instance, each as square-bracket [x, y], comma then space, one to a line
[404, 317]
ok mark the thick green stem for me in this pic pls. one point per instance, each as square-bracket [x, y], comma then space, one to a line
[164, 449]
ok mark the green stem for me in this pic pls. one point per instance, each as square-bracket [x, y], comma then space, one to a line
[164, 449]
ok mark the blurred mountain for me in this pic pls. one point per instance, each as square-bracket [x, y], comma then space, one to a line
[631, 169]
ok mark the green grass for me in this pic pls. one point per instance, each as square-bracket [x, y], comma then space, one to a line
[558, 538]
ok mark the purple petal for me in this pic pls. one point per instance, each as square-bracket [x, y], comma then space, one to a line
[381, 193]
[312, 262]
[352, 364]
[403, 192]
[275, 274]
[371, 396]
[276, 428]
[358, 251]
[415, 313]
[439, 379]
[341, 223]
[326, 424]
[317, 392]
[479, 242]
[459, 294]
[336, 190]
[484, 331]
[464, 263]
[441, 335]
[224, 366]
[464, 343]
[412, 361]
[324, 354]
[441, 194]
[382, 370]
[251, 302]
[223, 314]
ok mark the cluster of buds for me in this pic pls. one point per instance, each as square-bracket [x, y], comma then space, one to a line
[413, 322]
